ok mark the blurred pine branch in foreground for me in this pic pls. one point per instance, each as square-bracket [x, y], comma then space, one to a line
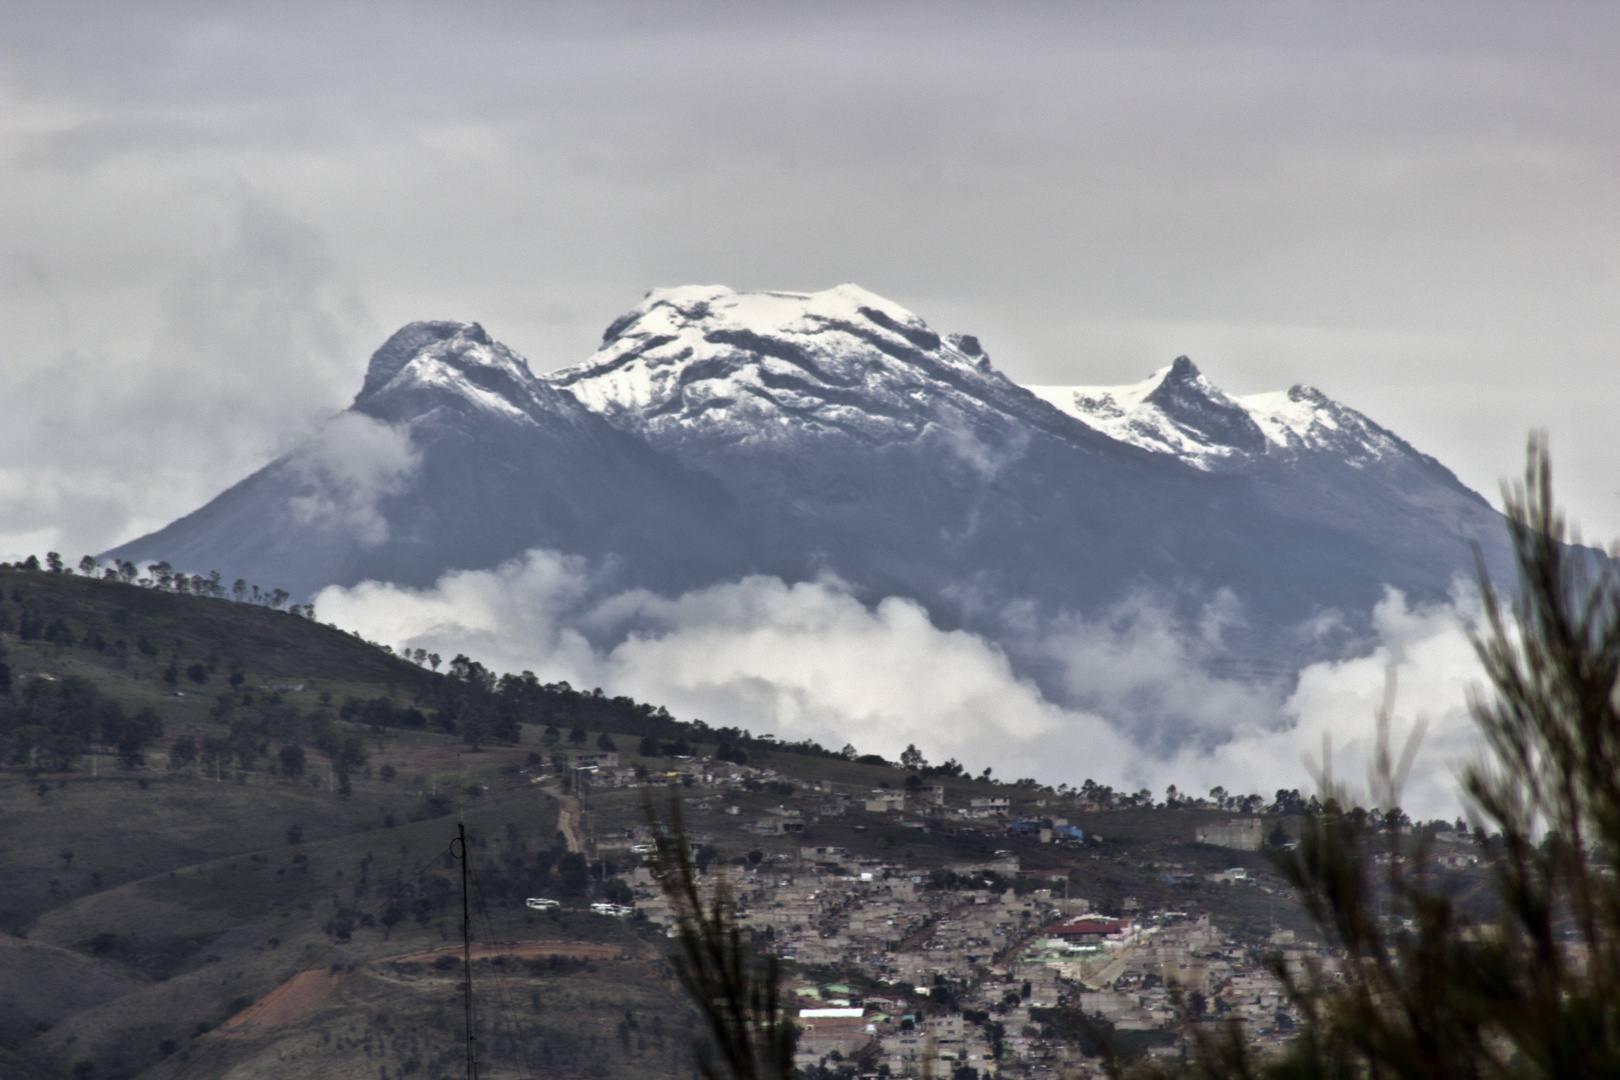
[735, 989]
[1423, 990]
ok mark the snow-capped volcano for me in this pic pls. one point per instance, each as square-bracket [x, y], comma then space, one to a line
[767, 365]
[1178, 411]
[1302, 419]
[454, 455]
[426, 368]
[712, 364]
[717, 434]
[1173, 411]
[424, 362]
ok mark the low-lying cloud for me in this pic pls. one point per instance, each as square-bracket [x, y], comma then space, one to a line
[251, 345]
[809, 660]
[1150, 671]
[346, 469]
[1328, 719]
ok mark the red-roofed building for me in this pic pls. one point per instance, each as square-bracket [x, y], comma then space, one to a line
[1088, 930]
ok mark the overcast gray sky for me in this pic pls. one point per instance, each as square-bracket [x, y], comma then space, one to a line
[212, 213]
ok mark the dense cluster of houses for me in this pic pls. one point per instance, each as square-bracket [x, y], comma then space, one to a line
[972, 968]
[1000, 958]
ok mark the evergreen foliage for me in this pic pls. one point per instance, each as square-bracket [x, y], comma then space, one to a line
[49, 724]
[735, 989]
[1426, 990]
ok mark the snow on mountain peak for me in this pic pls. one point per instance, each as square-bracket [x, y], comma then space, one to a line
[767, 367]
[458, 359]
[1304, 418]
[1176, 410]
[762, 365]
[1173, 411]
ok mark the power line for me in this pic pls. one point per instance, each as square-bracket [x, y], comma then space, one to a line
[466, 950]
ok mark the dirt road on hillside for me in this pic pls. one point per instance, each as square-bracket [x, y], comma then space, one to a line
[307, 991]
[524, 950]
[568, 823]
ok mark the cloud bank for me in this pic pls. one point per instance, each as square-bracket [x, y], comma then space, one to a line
[347, 467]
[253, 343]
[1328, 719]
[809, 660]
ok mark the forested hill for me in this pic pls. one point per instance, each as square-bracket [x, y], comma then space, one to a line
[113, 626]
[80, 656]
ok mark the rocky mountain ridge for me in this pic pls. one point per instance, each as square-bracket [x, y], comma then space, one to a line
[717, 434]
[1177, 411]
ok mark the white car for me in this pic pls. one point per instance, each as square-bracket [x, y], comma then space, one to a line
[540, 903]
[611, 909]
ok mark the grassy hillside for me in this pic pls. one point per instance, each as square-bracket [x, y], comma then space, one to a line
[286, 806]
[263, 642]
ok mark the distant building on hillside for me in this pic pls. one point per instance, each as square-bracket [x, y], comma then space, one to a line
[927, 794]
[884, 802]
[1089, 930]
[823, 854]
[779, 821]
[1241, 834]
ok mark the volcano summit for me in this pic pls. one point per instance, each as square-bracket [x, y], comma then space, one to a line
[718, 434]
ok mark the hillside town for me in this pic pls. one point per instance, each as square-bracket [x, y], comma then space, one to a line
[979, 965]
[1002, 963]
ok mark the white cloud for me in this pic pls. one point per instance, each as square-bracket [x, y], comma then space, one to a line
[348, 466]
[1427, 651]
[511, 618]
[1140, 665]
[800, 661]
[810, 661]
[965, 440]
[246, 348]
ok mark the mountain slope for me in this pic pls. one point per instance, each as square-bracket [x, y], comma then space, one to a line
[454, 455]
[874, 447]
[911, 465]
[1174, 411]
[1177, 411]
[1315, 463]
[717, 433]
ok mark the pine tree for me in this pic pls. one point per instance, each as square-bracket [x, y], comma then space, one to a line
[1425, 990]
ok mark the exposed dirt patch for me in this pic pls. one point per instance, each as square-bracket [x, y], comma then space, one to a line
[298, 996]
[568, 823]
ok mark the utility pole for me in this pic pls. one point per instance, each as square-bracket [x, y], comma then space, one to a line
[466, 950]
